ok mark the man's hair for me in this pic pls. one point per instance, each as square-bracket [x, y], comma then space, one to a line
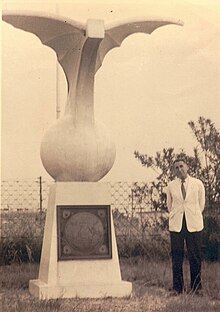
[179, 159]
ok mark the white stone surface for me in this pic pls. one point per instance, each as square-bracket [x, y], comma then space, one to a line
[77, 278]
[73, 152]
[95, 28]
[80, 290]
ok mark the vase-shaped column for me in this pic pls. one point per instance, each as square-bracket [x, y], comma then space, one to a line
[77, 147]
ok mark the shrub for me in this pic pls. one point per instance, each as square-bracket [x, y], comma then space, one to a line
[22, 235]
[20, 249]
[211, 236]
[152, 247]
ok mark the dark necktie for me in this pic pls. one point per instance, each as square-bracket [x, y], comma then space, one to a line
[183, 189]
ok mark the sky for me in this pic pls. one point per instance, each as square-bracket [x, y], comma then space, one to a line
[146, 91]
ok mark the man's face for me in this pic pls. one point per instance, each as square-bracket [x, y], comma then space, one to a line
[180, 169]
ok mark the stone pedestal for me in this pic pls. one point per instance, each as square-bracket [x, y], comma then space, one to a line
[67, 271]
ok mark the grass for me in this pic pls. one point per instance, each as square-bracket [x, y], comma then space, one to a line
[152, 273]
[151, 281]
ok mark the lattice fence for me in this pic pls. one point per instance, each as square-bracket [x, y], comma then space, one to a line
[24, 203]
[24, 195]
[32, 196]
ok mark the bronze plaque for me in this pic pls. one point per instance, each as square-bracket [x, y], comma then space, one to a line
[84, 232]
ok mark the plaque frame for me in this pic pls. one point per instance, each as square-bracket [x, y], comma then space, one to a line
[71, 211]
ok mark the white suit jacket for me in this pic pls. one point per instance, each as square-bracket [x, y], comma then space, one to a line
[192, 205]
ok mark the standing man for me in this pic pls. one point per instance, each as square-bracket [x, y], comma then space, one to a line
[185, 202]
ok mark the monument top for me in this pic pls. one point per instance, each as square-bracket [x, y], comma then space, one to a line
[77, 147]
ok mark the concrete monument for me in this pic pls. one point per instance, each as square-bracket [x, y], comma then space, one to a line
[79, 254]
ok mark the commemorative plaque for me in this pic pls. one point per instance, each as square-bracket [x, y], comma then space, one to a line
[84, 232]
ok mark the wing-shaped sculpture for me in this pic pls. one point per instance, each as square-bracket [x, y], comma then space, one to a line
[64, 36]
[77, 148]
[116, 32]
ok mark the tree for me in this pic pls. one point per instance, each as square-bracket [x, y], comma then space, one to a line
[204, 164]
[208, 151]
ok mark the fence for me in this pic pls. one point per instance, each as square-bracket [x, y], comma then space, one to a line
[32, 196]
[27, 200]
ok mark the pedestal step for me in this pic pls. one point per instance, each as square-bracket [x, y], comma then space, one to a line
[80, 290]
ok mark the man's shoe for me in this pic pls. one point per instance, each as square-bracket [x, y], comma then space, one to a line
[173, 292]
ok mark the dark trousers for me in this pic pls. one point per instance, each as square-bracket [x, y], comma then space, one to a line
[193, 244]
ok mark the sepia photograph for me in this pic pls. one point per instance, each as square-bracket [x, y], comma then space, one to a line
[110, 156]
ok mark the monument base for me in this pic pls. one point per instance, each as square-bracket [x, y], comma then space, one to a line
[103, 290]
[79, 253]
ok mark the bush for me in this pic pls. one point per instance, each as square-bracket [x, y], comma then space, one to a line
[20, 250]
[152, 247]
[211, 236]
[22, 236]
